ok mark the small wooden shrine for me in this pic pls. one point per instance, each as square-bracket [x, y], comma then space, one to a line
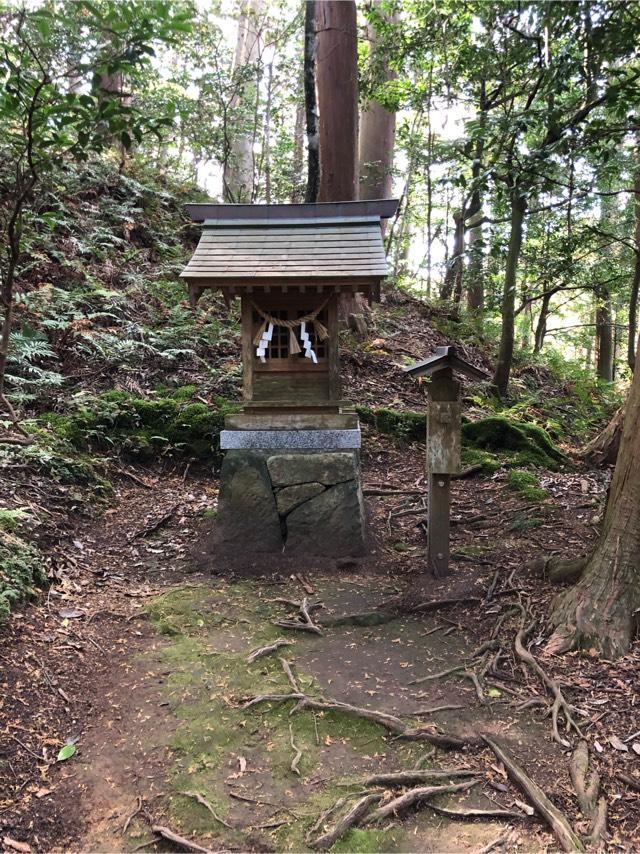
[289, 265]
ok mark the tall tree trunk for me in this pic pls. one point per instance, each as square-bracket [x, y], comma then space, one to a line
[604, 336]
[602, 611]
[310, 103]
[500, 380]
[475, 278]
[541, 326]
[452, 285]
[297, 182]
[337, 84]
[377, 140]
[239, 165]
[635, 287]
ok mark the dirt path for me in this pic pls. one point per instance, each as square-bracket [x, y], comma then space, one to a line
[141, 663]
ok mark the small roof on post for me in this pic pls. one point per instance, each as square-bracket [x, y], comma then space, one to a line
[247, 246]
[445, 357]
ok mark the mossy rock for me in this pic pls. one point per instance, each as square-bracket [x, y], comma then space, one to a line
[142, 428]
[497, 433]
[527, 484]
[403, 425]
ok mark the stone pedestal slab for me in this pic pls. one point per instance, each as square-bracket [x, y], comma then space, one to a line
[294, 502]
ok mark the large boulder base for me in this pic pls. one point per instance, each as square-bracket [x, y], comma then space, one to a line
[331, 524]
[296, 503]
[247, 515]
[324, 467]
[290, 497]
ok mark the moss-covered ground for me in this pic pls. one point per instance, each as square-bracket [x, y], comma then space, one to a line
[222, 749]
[239, 759]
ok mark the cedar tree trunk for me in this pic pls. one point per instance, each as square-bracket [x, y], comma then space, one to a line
[377, 140]
[337, 84]
[603, 609]
[505, 353]
[311, 103]
[604, 336]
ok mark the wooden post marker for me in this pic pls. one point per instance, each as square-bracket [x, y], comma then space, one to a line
[443, 445]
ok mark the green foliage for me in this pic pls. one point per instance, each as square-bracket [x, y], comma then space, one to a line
[476, 457]
[404, 426]
[527, 484]
[143, 428]
[21, 568]
[527, 444]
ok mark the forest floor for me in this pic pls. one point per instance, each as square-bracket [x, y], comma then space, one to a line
[137, 656]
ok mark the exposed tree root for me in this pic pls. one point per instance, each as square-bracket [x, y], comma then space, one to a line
[348, 820]
[556, 819]
[587, 786]
[391, 723]
[415, 796]
[180, 841]
[304, 622]
[205, 803]
[407, 778]
[255, 654]
[470, 814]
[392, 609]
[298, 753]
[560, 705]
[504, 839]
[630, 781]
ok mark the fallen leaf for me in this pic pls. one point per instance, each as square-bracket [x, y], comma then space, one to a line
[70, 613]
[8, 842]
[615, 742]
[636, 747]
[66, 752]
[42, 793]
[242, 762]
[599, 748]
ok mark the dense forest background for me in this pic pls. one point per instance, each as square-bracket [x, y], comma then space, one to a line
[510, 134]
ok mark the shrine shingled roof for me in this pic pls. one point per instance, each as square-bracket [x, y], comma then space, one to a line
[253, 243]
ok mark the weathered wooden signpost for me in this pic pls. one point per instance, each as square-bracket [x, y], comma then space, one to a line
[443, 445]
[290, 480]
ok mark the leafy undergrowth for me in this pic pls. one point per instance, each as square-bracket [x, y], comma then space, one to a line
[143, 428]
[21, 567]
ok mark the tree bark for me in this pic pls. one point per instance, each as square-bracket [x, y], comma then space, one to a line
[297, 167]
[311, 103]
[500, 380]
[603, 610]
[377, 140]
[239, 166]
[635, 287]
[604, 336]
[541, 326]
[337, 84]
[452, 285]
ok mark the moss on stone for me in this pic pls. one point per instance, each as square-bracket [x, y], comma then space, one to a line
[530, 442]
[143, 427]
[526, 483]
[477, 457]
[21, 570]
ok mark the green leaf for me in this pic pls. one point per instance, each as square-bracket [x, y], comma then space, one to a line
[66, 752]
[493, 692]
